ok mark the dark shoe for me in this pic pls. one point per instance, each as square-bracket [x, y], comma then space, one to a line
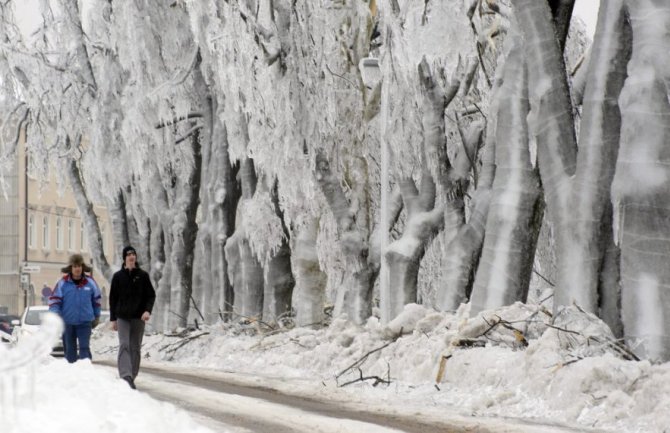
[130, 381]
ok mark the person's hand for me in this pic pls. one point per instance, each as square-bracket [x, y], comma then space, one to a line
[115, 326]
[95, 322]
[146, 316]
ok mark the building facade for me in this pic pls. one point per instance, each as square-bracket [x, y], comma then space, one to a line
[40, 227]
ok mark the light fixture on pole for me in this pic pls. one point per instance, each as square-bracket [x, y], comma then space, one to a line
[370, 72]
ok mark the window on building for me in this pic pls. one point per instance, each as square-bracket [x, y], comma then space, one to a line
[82, 244]
[32, 233]
[70, 235]
[59, 233]
[45, 232]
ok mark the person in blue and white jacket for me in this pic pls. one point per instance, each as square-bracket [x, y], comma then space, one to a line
[76, 299]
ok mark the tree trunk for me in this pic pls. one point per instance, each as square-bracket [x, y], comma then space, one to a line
[161, 314]
[279, 281]
[581, 246]
[204, 288]
[609, 289]
[185, 229]
[117, 215]
[575, 189]
[227, 195]
[309, 295]
[514, 215]
[244, 269]
[161, 268]
[561, 10]
[464, 241]
[157, 245]
[354, 296]
[404, 255]
[90, 220]
[641, 190]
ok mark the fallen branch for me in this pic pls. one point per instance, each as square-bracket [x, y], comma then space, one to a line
[518, 334]
[173, 347]
[361, 360]
[361, 378]
[249, 319]
[440, 371]
[468, 342]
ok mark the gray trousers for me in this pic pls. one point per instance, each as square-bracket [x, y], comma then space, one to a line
[130, 344]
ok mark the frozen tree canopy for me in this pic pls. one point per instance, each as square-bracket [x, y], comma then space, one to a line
[283, 162]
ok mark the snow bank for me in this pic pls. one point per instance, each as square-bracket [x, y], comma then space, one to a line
[516, 361]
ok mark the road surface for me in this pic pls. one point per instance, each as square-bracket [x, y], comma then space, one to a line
[229, 406]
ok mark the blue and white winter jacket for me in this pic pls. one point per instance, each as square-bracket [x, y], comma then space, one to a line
[76, 303]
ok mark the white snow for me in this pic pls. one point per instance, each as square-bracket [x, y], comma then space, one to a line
[566, 375]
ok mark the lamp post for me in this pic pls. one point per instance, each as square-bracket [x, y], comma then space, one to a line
[372, 75]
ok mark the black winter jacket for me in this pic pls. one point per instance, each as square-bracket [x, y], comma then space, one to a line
[131, 294]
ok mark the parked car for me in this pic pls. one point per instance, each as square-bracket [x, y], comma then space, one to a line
[8, 322]
[30, 323]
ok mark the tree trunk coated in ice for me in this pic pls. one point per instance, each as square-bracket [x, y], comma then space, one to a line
[513, 223]
[309, 294]
[641, 190]
[576, 186]
[89, 218]
[184, 230]
[227, 196]
[355, 296]
[582, 243]
[404, 254]
[464, 239]
[117, 215]
[244, 269]
[278, 277]
[222, 196]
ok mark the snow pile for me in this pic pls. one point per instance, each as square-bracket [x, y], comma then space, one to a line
[515, 361]
[39, 393]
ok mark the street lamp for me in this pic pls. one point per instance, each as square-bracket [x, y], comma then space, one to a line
[370, 72]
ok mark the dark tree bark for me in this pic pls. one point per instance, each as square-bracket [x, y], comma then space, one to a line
[279, 281]
[117, 215]
[561, 10]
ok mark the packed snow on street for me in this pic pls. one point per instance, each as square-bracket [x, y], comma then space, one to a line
[501, 365]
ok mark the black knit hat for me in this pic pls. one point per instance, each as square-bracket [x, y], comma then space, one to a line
[127, 250]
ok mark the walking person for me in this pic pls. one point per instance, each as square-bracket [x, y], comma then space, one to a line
[76, 299]
[131, 299]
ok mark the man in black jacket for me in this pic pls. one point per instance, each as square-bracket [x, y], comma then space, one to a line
[131, 299]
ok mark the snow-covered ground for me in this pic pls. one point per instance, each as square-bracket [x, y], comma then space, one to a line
[513, 364]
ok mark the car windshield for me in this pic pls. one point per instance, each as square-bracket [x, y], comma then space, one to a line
[34, 317]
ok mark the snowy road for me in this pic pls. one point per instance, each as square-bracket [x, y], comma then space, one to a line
[240, 409]
[226, 406]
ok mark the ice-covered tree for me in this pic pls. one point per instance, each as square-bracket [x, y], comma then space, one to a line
[51, 68]
[640, 192]
[576, 183]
